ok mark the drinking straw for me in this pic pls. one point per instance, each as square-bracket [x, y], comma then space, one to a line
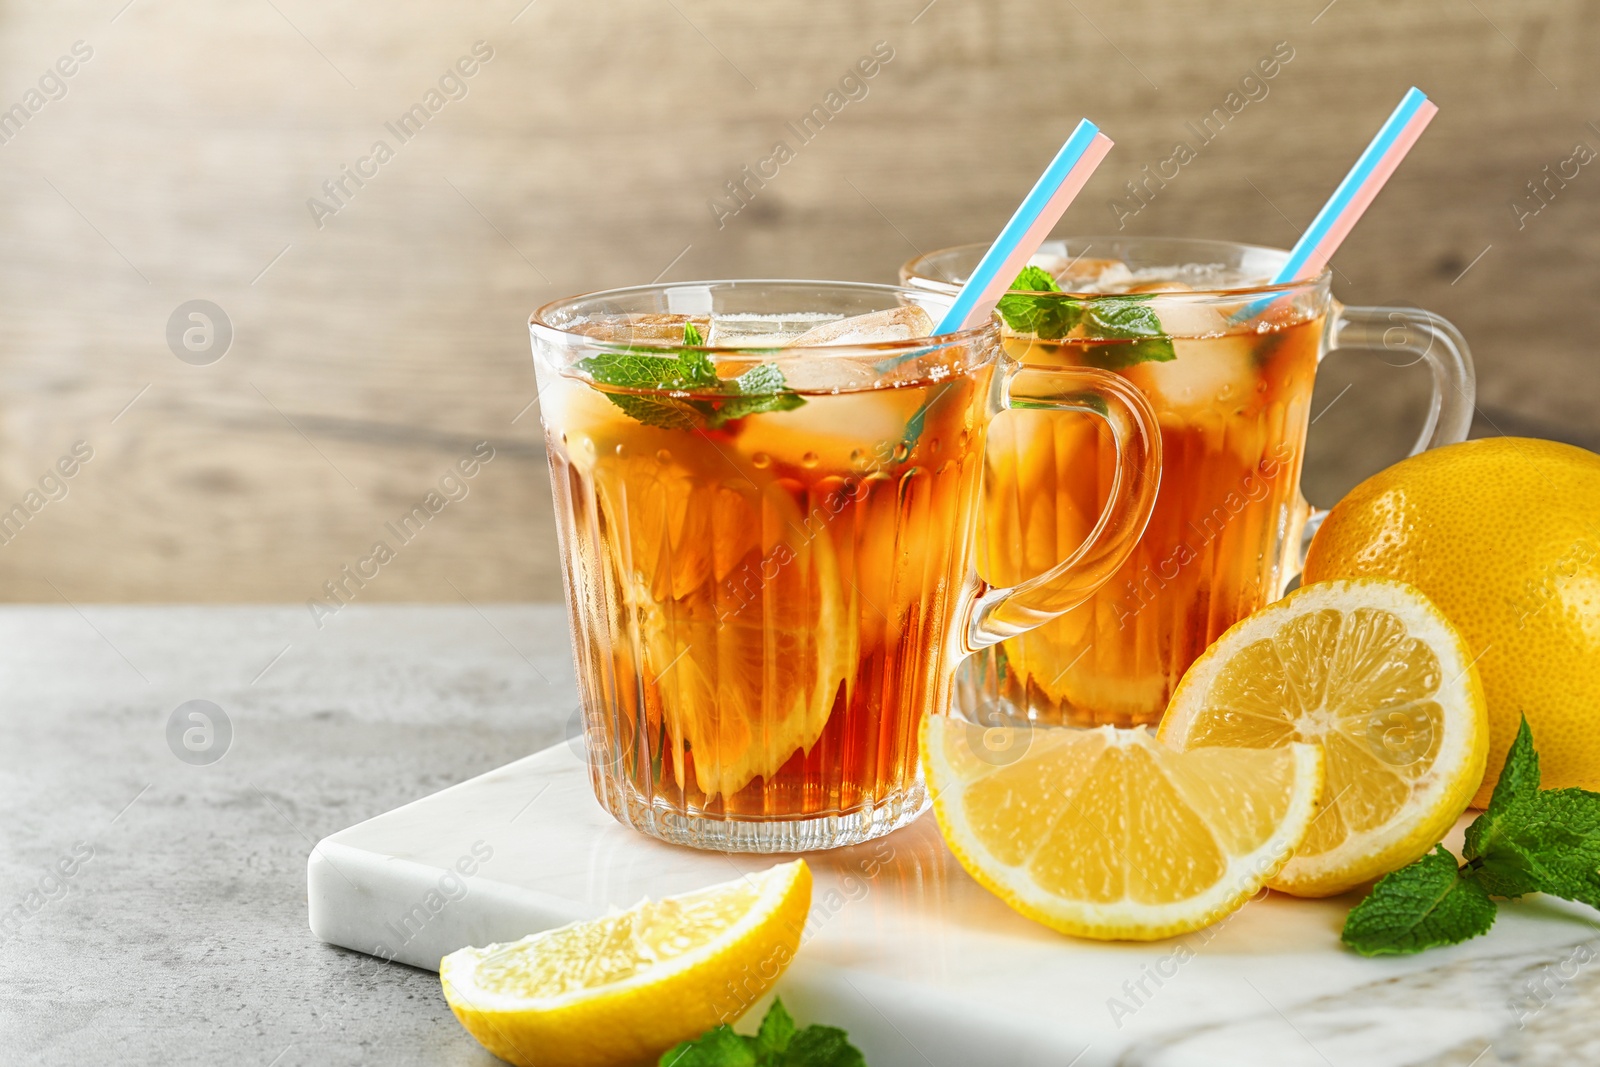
[1334, 222]
[1022, 236]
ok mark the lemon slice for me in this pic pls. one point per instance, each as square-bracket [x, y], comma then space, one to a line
[1372, 673]
[742, 636]
[748, 679]
[623, 988]
[1108, 834]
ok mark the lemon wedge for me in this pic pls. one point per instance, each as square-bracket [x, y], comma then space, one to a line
[623, 988]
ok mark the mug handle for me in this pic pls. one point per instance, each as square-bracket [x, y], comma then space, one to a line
[1431, 339]
[997, 614]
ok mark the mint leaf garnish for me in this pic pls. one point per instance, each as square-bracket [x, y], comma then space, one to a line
[697, 365]
[1048, 318]
[777, 1044]
[1431, 902]
[1033, 279]
[1125, 318]
[759, 380]
[636, 369]
[687, 370]
[760, 389]
[1527, 841]
[654, 371]
[1113, 318]
[740, 406]
[667, 413]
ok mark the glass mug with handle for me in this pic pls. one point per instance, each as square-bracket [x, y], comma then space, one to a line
[1228, 361]
[767, 517]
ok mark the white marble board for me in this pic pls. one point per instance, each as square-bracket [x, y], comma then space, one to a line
[927, 969]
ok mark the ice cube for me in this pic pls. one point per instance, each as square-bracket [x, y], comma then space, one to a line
[1217, 374]
[1052, 263]
[1195, 276]
[1184, 316]
[818, 374]
[834, 434]
[1093, 275]
[743, 330]
[877, 327]
[643, 329]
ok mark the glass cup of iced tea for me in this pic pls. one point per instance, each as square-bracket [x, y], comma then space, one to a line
[1228, 362]
[766, 495]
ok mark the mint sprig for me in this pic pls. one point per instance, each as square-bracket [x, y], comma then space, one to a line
[1529, 840]
[1114, 319]
[687, 370]
[1532, 840]
[1048, 318]
[1430, 902]
[779, 1043]
[1125, 318]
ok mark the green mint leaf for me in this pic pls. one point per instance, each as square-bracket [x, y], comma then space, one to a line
[1533, 841]
[662, 412]
[760, 389]
[1527, 841]
[698, 370]
[1430, 902]
[758, 380]
[635, 370]
[1118, 356]
[1519, 775]
[1048, 318]
[1548, 843]
[1122, 318]
[720, 1047]
[740, 406]
[1033, 279]
[820, 1046]
[1566, 823]
[1491, 839]
[777, 1030]
[777, 1044]
[688, 369]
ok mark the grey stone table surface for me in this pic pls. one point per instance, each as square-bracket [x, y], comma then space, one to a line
[153, 892]
[182, 937]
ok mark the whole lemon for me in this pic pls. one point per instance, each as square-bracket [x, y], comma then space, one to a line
[1502, 534]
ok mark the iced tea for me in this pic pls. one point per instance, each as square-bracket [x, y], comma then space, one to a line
[760, 603]
[1231, 380]
[769, 551]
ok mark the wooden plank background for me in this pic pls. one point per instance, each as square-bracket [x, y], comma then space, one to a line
[371, 351]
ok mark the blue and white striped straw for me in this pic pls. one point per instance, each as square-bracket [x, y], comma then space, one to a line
[1034, 219]
[1338, 216]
